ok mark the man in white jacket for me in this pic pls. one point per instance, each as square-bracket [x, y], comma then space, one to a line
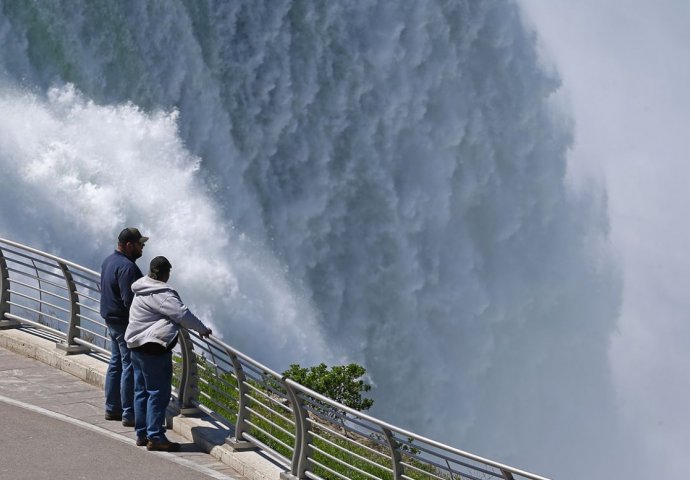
[155, 318]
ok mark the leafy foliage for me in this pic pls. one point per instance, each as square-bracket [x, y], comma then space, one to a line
[342, 383]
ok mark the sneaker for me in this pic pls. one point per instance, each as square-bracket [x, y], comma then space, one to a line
[142, 441]
[163, 446]
[127, 422]
[113, 416]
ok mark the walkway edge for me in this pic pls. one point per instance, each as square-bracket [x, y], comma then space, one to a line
[89, 369]
[206, 435]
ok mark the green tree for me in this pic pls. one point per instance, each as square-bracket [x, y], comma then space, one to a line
[342, 383]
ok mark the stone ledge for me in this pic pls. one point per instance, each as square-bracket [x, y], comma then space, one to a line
[207, 434]
[210, 436]
[89, 369]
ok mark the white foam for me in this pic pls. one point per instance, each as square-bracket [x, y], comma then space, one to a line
[76, 173]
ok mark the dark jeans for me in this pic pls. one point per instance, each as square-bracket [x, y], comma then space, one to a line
[152, 389]
[119, 378]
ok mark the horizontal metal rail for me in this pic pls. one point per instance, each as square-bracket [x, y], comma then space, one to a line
[313, 436]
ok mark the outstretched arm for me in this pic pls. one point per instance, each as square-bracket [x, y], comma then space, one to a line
[178, 312]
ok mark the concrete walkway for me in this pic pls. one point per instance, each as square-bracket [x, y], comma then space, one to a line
[45, 447]
[53, 426]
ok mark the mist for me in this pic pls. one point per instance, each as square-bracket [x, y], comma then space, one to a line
[625, 67]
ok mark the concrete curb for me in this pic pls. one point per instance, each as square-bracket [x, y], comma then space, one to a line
[207, 434]
[88, 369]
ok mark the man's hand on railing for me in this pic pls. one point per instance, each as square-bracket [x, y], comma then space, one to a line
[206, 334]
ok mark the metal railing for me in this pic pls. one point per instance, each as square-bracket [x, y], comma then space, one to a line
[312, 436]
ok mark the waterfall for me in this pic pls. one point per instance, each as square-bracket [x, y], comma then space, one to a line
[374, 181]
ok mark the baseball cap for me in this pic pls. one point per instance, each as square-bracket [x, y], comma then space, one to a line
[131, 234]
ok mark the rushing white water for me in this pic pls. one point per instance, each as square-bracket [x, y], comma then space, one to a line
[74, 173]
[378, 181]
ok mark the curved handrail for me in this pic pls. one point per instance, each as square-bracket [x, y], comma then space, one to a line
[311, 435]
[40, 253]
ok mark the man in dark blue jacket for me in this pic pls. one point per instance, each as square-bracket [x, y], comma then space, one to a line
[118, 272]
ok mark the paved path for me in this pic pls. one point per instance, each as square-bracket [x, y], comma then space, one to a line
[53, 428]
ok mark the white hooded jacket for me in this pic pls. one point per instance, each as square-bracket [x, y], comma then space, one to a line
[156, 314]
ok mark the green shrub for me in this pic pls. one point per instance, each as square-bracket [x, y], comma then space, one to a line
[342, 383]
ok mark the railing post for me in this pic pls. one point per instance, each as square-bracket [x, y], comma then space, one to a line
[189, 380]
[303, 436]
[5, 295]
[507, 475]
[396, 457]
[69, 346]
[237, 443]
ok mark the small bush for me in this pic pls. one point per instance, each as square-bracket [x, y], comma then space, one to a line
[342, 383]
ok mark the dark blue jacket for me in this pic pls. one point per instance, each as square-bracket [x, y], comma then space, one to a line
[118, 272]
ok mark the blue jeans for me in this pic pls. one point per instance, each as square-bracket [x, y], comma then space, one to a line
[119, 378]
[152, 389]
